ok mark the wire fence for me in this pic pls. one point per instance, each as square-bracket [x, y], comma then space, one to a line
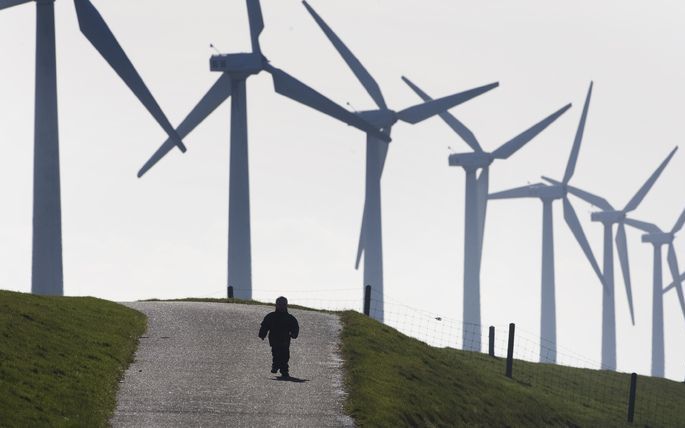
[536, 363]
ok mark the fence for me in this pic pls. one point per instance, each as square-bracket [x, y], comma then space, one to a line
[599, 392]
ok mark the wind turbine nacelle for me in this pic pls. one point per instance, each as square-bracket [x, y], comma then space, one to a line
[662, 238]
[549, 192]
[473, 160]
[239, 64]
[608, 216]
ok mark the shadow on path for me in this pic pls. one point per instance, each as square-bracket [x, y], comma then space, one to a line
[290, 379]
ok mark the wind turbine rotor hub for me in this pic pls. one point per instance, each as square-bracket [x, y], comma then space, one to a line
[472, 160]
[237, 64]
[381, 119]
[609, 217]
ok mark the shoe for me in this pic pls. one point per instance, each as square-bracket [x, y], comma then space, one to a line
[285, 375]
[274, 369]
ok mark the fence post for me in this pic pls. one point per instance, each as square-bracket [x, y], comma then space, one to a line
[510, 350]
[230, 291]
[367, 300]
[631, 397]
[491, 348]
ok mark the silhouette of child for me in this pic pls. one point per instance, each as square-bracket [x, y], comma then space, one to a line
[281, 327]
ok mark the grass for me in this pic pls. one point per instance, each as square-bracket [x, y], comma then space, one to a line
[394, 380]
[61, 358]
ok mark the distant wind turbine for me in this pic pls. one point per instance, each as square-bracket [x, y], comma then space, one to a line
[371, 237]
[608, 217]
[476, 206]
[547, 195]
[658, 238]
[235, 69]
[46, 270]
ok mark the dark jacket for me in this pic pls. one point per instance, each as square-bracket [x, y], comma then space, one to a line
[281, 326]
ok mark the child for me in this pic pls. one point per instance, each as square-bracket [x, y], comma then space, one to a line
[281, 327]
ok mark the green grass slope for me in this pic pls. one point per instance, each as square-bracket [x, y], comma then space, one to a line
[61, 358]
[394, 380]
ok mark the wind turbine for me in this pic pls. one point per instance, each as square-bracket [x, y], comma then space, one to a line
[47, 277]
[609, 216]
[547, 195]
[658, 238]
[235, 69]
[476, 205]
[371, 237]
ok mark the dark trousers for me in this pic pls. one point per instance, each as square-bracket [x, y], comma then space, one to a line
[281, 356]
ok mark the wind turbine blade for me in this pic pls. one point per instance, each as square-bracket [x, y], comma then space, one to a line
[254, 13]
[292, 88]
[635, 201]
[482, 201]
[573, 223]
[588, 197]
[4, 4]
[360, 246]
[509, 148]
[673, 284]
[528, 191]
[420, 112]
[448, 118]
[642, 225]
[679, 224]
[216, 95]
[573, 158]
[98, 33]
[675, 273]
[383, 154]
[622, 248]
[358, 69]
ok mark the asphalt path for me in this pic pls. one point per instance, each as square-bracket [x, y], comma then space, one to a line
[202, 364]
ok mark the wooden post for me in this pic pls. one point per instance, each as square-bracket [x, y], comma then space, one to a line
[230, 291]
[367, 300]
[631, 397]
[491, 348]
[510, 350]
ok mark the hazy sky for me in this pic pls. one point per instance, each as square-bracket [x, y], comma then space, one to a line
[166, 235]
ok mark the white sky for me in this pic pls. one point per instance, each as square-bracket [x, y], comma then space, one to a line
[165, 235]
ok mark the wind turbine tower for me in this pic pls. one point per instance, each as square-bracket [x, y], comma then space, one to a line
[46, 262]
[658, 239]
[547, 195]
[476, 206]
[235, 69]
[371, 236]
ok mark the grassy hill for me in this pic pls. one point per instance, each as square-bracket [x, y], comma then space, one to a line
[394, 380]
[61, 358]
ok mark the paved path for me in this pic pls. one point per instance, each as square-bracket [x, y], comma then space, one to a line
[202, 364]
